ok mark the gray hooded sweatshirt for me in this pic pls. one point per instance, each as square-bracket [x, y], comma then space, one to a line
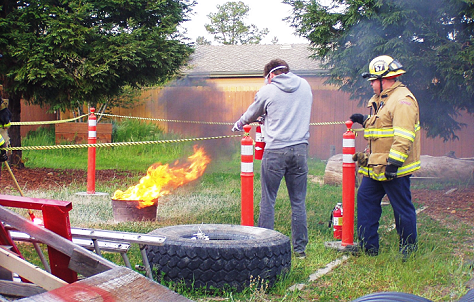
[286, 104]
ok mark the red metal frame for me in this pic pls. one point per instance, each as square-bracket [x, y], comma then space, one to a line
[56, 219]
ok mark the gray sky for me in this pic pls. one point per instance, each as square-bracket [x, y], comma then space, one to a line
[262, 13]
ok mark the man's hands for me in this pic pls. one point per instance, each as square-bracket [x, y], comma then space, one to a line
[358, 118]
[238, 126]
[391, 171]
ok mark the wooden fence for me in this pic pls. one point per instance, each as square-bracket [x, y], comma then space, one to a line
[216, 102]
[34, 113]
[79, 133]
[224, 100]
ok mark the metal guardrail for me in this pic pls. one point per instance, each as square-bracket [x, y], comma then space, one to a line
[141, 239]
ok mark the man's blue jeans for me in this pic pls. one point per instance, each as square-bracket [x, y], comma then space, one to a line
[291, 163]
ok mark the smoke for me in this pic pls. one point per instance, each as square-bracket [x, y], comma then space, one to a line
[426, 40]
[197, 100]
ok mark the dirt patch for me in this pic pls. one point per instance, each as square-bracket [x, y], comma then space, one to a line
[455, 203]
[46, 179]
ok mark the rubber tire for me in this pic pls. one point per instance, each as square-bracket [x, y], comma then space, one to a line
[391, 297]
[468, 297]
[233, 255]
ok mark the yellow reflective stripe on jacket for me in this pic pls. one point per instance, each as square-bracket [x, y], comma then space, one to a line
[389, 132]
[398, 156]
[408, 169]
[2, 141]
[369, 172]
[376, 133]
[6, 125]
[364, 171]
[409, 135]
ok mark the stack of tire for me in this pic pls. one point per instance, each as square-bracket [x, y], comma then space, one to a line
[219, 256]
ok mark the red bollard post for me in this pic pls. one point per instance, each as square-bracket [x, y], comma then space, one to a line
[348, 185]
[92, 139]
[246, 177]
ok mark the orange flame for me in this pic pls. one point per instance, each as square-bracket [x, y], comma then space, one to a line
[162, 179]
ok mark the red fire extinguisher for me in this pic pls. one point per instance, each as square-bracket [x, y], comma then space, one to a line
[259, 143]
[336, 216]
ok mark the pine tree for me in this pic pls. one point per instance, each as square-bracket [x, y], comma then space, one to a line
[433, 39]
[69, 53]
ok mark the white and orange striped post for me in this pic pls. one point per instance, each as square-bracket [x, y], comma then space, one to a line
[92, 139]
[348, 185]
[246, 177]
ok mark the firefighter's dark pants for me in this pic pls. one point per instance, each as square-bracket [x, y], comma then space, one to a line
[369, 210]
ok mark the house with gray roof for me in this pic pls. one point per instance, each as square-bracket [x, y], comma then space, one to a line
[221, 82]
[217, 61]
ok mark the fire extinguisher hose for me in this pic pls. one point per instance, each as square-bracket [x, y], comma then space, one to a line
[331, 218]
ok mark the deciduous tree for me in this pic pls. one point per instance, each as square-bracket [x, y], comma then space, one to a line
[201, 40]
[228, 27]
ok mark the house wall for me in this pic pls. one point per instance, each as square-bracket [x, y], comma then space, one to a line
[224, 100]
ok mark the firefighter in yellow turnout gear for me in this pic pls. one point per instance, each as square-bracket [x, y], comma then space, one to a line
[392, 130]
[5, 118]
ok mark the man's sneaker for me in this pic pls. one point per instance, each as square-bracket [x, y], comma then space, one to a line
[300, 255]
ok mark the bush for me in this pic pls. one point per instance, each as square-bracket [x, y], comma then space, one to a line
[130, 130]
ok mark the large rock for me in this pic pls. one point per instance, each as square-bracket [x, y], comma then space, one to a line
[333, 171]
[438, 168]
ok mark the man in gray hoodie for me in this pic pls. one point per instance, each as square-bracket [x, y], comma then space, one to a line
[285, 103]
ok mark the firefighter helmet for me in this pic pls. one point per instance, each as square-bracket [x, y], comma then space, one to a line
[383, 67]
